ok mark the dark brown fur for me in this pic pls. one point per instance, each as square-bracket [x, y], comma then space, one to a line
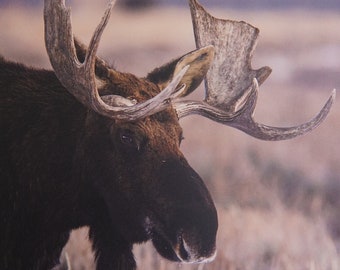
[63, 167]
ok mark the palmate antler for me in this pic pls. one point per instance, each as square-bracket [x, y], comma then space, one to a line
[231, 83]
[79, 78]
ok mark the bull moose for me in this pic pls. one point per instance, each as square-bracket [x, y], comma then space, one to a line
[87, 145]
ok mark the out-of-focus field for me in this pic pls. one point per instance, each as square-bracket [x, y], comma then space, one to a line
[278, 202]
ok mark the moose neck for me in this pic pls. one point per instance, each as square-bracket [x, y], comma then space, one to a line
[46, 124]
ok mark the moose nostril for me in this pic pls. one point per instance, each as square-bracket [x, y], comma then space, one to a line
[183, 250]
[191, 253]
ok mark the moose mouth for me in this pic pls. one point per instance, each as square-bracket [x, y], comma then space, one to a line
[167, 250]
[180, 251]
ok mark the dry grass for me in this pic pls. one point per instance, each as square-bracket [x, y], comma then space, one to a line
[279, 202]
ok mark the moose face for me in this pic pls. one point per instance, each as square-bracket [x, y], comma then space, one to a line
[143, 178]
[165, 198]
[149, 186]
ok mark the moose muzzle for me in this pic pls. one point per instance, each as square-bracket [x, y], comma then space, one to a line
[184, 223]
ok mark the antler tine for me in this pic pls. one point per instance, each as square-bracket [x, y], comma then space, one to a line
[244, 120]
[231, 83]
[79, 78]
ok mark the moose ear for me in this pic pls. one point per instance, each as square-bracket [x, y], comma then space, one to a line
[199, 62]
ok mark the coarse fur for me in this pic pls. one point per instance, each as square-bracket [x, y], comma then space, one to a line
[64, 166]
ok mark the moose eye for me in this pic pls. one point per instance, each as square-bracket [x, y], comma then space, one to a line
[128, 140]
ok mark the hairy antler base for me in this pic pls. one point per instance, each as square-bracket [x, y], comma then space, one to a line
[79, 78]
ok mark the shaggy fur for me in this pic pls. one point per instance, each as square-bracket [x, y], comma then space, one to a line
[63, 166]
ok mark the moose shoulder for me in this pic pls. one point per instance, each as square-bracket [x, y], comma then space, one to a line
[85, 144]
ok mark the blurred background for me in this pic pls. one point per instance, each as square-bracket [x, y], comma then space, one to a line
[278, 202]
[268, 4]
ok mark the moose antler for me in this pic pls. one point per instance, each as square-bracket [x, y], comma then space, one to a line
[231, 83]
[79, 78]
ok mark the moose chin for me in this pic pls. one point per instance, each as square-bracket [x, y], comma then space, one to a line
[88, 145]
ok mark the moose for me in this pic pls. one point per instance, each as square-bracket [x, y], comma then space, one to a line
[87, 145]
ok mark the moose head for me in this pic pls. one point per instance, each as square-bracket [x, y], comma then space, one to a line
[160, 196]
[102, 148]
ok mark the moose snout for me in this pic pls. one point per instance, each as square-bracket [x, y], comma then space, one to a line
[189, 250]
[188, 232]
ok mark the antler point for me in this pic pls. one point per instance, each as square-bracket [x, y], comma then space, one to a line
[334, 93]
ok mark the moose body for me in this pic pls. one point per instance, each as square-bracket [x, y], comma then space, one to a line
[87, 145]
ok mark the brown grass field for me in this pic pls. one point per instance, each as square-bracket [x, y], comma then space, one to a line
[278, 202]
